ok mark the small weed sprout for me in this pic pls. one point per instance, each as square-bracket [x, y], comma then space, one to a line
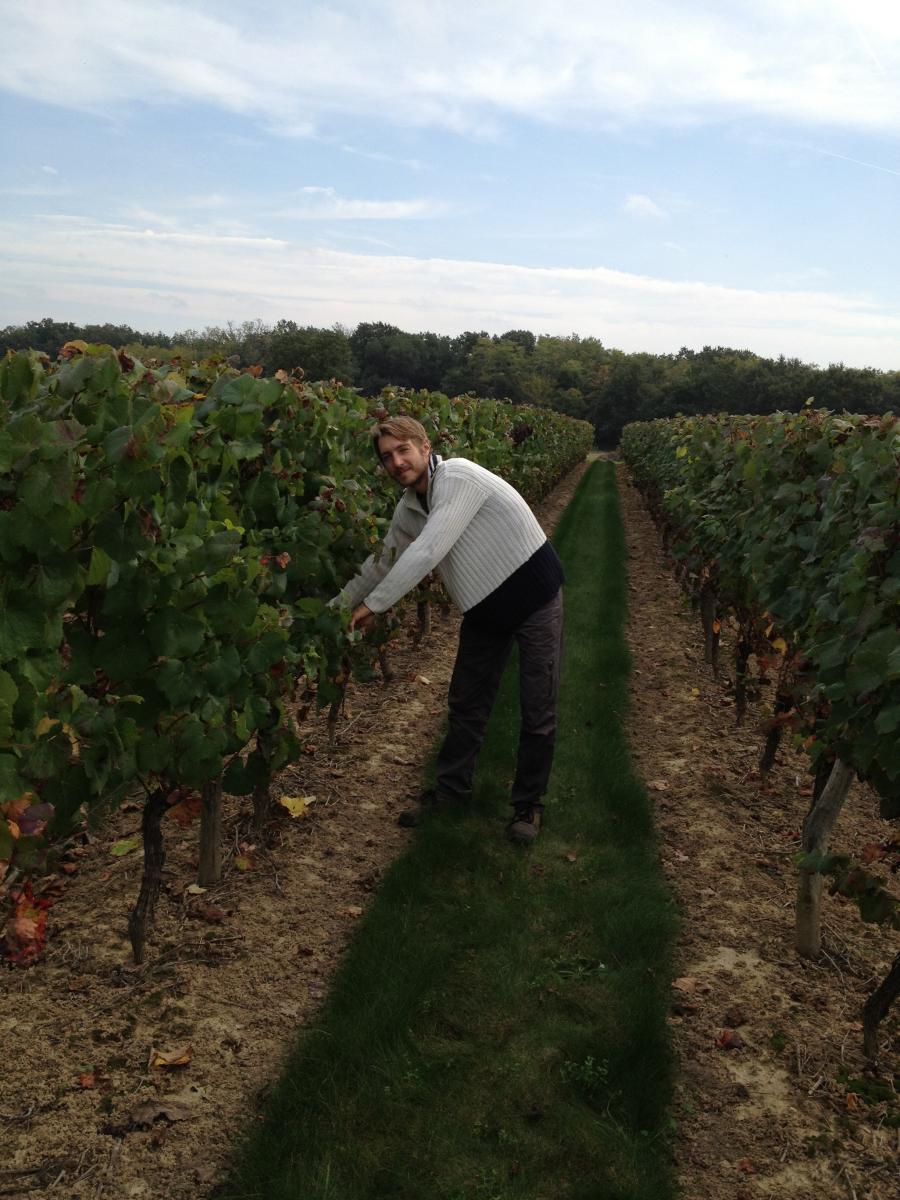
[588, 1076]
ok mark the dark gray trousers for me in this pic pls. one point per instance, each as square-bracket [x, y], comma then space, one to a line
[480, 661]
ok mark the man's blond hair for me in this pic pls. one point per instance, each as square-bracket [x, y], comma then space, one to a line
[406, 429]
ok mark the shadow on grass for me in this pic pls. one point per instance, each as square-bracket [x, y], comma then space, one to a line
[497, 1028]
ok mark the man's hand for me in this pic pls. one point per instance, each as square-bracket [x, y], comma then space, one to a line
[362, 618]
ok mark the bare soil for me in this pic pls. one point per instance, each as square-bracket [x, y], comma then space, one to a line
[774, 1115]
[232, 973]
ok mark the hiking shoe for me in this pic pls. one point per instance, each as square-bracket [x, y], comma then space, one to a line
[428, 802]
[525, 825]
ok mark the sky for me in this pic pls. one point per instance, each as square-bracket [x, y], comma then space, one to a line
[655, 175]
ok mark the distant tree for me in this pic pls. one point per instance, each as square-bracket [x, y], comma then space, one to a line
[522, 337]
[322, 353]
[47, 336]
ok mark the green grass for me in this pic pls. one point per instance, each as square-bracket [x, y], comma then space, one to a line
[497, 1029]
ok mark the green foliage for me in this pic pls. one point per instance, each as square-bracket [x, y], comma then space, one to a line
[170, 537]
[794, 519]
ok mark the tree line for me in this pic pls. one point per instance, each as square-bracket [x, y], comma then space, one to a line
[575, 375]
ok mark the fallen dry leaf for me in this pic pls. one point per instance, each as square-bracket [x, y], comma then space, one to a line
[296, 805]
[179, 1057]
[353, 910]
[211, 913]
[571, 856]
[686, 983]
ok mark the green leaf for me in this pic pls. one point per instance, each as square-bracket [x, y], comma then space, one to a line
[888, 719]
[99, 568]
[125, 846]
[9, 693]
[122, 655]
[175, 634]
[19, 632]
[154, 752]
[118, 443]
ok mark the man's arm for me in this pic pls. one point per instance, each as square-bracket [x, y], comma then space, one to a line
[449, 517]
[375, 569]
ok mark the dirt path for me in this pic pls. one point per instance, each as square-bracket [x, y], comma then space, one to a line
[229, 975]
[772, 1117]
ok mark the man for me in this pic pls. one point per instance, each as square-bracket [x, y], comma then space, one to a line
[500, 570]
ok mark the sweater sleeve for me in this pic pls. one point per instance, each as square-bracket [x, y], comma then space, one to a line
[374, 569]
[452, 510]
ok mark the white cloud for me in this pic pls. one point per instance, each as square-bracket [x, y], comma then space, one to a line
[324, 204]
[89, 271]
[637, 205]
[49, 170]
[823, 63]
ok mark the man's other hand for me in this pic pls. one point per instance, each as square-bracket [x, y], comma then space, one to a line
[362, 618]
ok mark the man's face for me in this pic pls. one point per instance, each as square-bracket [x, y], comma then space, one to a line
[405, 461]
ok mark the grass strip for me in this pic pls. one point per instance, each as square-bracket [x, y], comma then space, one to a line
[497, 1029]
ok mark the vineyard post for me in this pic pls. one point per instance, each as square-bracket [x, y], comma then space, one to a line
[154, 858]
[423, 628]
[210, 870]
[817, 829]
[384, 662]
[741, 673]
[784, 702]
[708, 605]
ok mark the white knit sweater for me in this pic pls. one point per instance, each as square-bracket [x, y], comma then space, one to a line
[477, 531]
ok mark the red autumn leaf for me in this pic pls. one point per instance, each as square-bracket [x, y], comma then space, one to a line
[746, 1166]
[730, 1039]
[91, 1079]
[187, 809]
[872, 852]
[211, 913]
[26, 930]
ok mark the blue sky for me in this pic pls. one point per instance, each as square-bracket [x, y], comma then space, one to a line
[673, 174]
